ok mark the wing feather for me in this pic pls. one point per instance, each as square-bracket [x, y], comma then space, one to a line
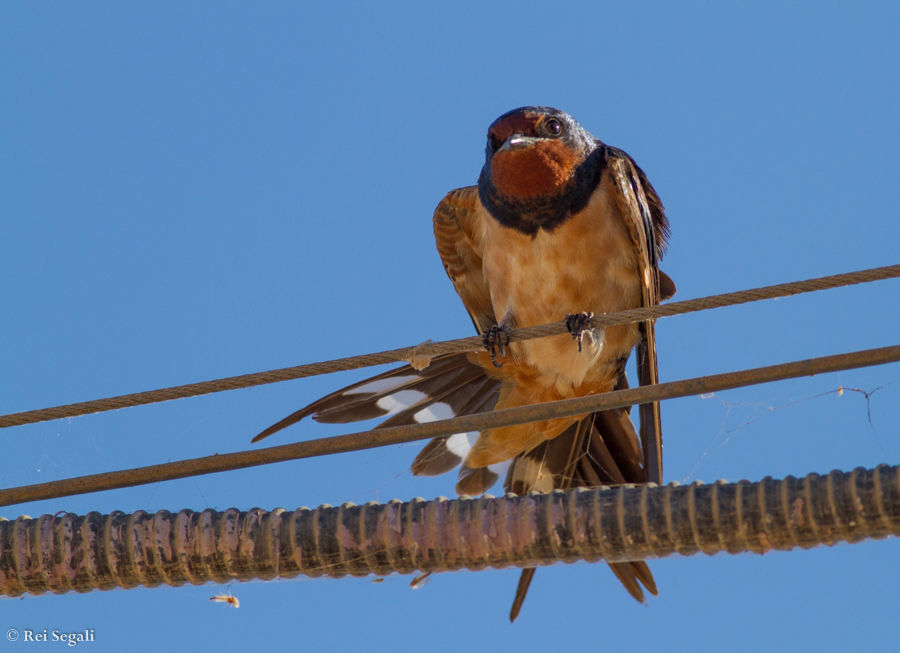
[458, 235]
[337, 407]
[646, 221]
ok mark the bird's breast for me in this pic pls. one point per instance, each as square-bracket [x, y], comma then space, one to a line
[588, 263]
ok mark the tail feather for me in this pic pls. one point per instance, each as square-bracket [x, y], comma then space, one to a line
[642, 571]
[477, 480]
[651, 420]
[600, 460]
[602, 449]
[621, 439]
[521, 591]
[626, 575]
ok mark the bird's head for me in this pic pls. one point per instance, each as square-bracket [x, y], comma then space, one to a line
[540, 165]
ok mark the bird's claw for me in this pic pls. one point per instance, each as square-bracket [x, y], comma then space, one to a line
[495, 340]
[578, 325]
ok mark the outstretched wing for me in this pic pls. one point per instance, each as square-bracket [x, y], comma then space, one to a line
[645, 218]
[458, 236]
[446, 388]
[452, 385]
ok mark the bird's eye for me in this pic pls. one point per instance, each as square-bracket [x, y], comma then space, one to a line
[553, 127]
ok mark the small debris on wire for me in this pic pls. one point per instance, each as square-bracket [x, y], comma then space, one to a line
[228, 599]
[420, 360]
[420, 581]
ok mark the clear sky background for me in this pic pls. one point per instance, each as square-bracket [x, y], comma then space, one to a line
[196, 190]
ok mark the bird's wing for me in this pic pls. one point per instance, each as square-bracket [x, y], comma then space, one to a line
[458, 235]
[645, 219]
[452, 385]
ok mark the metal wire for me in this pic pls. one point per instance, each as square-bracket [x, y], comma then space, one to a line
[62, 554]
[411, 433]
[428, 350]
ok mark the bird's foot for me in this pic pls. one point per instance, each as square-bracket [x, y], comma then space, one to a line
[578, 325]
[495, 340]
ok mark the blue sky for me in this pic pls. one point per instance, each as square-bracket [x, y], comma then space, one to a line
[197, 190]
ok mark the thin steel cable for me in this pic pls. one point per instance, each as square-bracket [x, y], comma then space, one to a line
[411, 433]
[430, 350]
[67, 553]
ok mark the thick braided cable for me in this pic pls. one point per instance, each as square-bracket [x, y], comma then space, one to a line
[65, 552]
[428, 350]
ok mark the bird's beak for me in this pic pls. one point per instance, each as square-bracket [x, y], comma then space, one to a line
[517, 142]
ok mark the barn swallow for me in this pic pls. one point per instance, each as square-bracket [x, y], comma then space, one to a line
[559, 226]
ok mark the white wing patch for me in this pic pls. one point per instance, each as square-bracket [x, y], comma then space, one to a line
[459, 443]
[398, 401]
[382, 385]
[437, 410]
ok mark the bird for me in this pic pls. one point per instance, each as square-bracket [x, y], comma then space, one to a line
[560, 226]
